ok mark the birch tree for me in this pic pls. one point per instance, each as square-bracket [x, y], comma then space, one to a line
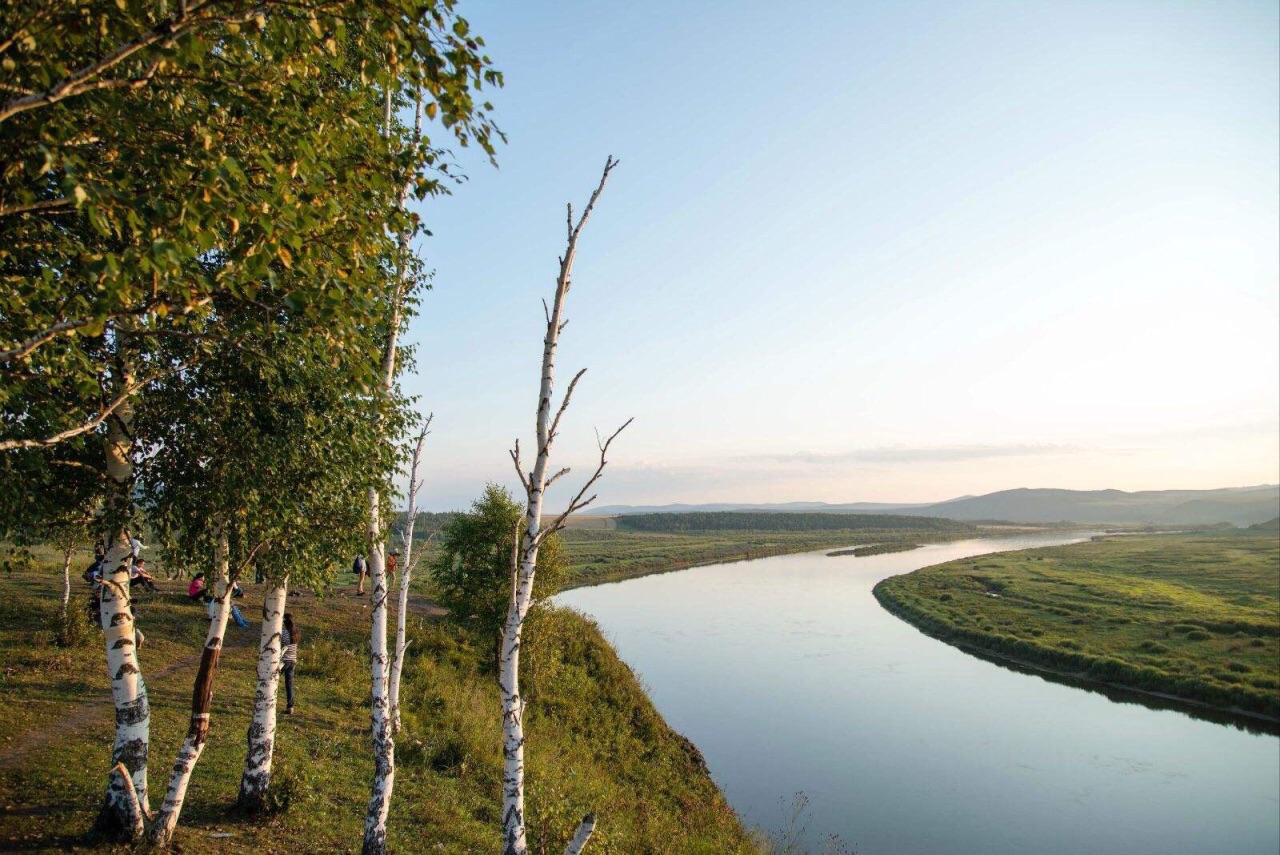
[169, 166]
[534, 534]
[255, 456]
[201, 699]
[406, 574]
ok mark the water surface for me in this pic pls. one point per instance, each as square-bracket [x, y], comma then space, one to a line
[790, 677]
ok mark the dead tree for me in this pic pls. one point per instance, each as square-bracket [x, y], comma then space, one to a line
[525, 560]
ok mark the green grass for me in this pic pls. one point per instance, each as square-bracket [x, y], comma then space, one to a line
[1195, 616]
[599, 555]
[595, 742]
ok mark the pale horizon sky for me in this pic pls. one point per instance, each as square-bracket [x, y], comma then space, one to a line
[869, 251]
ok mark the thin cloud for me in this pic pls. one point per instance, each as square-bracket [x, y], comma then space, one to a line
[908, 454]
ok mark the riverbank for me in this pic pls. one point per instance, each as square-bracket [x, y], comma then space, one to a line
[596, 741]
[598, 556]
[1187, 618]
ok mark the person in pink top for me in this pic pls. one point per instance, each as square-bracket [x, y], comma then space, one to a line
[195, 590]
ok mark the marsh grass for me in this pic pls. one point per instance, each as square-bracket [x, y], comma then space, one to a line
[1196, 616]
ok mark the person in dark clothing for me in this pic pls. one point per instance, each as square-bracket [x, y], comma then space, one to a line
[361, 568]
[138, 575]
[289, 638]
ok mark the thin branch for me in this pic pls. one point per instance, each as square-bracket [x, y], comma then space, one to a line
[25, 349]
[33, 207]
[164, 34]
[577, 503]
[564, 405]
[12, 444]
[515, 458]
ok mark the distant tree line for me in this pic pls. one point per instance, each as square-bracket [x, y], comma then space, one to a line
[757, 521]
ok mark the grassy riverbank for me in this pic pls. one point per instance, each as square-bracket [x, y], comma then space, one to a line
[605, 550]
[1193, 616]
[595, 741]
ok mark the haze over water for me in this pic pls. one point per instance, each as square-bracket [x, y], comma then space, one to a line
[789, 677]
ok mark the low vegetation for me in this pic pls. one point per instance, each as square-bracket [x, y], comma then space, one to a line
[874, 549]
[600, 744]
[598, 555]
[766, 521]
[1192, 616]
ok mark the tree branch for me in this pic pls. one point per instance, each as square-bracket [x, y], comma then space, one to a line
[12, 444]
[33, 207]
[577, 503]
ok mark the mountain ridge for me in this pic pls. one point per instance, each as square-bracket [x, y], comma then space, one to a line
[1236, 505]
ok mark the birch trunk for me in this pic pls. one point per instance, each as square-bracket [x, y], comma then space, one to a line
[514, 836]
[201, 700]
[406, 573]
[384, 759]
[66, 582]
[256, 779]
[128, 691]
[384, 763]
[525, 561]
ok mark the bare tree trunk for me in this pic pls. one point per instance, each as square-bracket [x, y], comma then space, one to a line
[514, 841]
[406, 548]
[256, 779]
[384, 762]
[123, 803]
[579, 842]
[201, 700]
[66, 580]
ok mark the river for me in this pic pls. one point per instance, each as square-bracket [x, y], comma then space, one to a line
[791, 678]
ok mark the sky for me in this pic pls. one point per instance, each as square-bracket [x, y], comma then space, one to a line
[868, 251]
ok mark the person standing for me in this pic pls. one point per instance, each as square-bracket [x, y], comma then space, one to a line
[361, 568]
[289, 638]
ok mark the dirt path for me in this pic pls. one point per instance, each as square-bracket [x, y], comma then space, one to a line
[85, 713]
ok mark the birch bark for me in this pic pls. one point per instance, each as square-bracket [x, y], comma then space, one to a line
[514, 835]
[122, 804]
[201, 700]
[256, 779]
[66, 581]
[406, 573]
[384, 762]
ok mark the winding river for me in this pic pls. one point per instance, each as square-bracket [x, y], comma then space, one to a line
[791, 678]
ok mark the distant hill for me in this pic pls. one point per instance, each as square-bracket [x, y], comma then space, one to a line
[1242, 506]
[1269, 525]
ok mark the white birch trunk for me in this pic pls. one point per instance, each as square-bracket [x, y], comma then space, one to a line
[128, 691]
[384, 760]
[384, 764]
[201, 701]
[514, 835]
[406, 573]
[579, 842]
[256, 779]
[66, 582]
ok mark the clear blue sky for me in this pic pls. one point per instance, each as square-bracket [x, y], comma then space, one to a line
[871, 251]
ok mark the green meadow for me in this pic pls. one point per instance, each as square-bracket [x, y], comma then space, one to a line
[1193, 616]
[596, 742]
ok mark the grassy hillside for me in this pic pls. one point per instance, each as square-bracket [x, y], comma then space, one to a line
[595, 742]
[1192, 615]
